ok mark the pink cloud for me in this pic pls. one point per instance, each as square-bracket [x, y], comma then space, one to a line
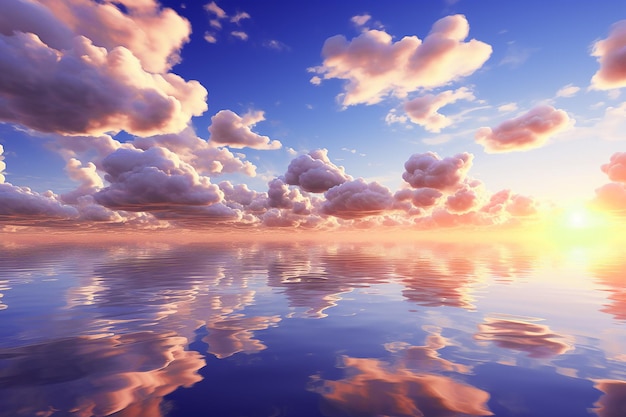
[229, 129]
[611, 196]
[21, 205]
[355, 199]
[529, 131]
[314, 172]
[3, 166]
[463, 200]
[611, 54]
[429, 170]
[86, 175]
[113, 92]
[424, 110]
[421, 197]
[374, 66]
[153, 180]
[616, 168]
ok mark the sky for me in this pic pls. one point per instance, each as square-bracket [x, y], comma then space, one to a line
[320, 115]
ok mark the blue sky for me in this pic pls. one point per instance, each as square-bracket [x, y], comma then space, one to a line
[261, 56]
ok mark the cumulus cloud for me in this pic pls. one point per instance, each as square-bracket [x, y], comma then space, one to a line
[611, 196]
[611, 54]
[529, 131]
[375, 67]
[314, 172]
[355, 199]
[153, 180]
[87, 177]
[229, 129]
[421, 197]
[123, 59]
[21, 205]
[464, 199]
[113, 92]
[429, 170]
[616, 168]
[424, 110]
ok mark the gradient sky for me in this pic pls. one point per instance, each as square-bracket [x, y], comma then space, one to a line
[315, 115]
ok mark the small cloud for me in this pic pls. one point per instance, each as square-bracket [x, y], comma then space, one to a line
[215, 23]
[529, 131]
[316, 80]
[393, 117]
[506, 108]
[349, 150]
[239, 16]
[309, 106]
[361, 19]
[215, 9]
[276, 45]
[424, 110]
[240, 35]
[209, 37]
[569, 90]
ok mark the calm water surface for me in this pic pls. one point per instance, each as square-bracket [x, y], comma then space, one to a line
[310, 329]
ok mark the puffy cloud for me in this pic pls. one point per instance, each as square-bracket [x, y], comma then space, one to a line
[536, 340]
[86, 175]
[529, 131]
[153, 180]
[374, 66]
[422, 197]
[611, 54]
[616, 168]
[112, 93]
[199, 153]
[424, 110]
[229, 129]
[355, 199]
[463, 200]
[239, 35]
[361, 19]
[429, 170]
[314, 172]
[21, 205]
[612, 197]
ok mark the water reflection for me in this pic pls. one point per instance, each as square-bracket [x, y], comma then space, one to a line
[418, 329]
[406, 387]
[96, 376]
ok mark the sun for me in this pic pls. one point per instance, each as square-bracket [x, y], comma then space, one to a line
[579, 218]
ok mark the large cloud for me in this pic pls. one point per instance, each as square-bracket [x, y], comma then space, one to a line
[611, 54]
[155, 179]
[70, 68]
[616, 168]
[314, 172]
[229, 129]
[424, 110]
[529, 131]
[3, 166]
[355, 199]
[22, 205]
[375, 66]
[429, 170]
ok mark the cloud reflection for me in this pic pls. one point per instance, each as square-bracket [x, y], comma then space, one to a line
[613, 401]
[407, 387]
[536, 340]
[96, 376]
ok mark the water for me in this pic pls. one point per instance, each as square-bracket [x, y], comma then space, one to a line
[311, 329]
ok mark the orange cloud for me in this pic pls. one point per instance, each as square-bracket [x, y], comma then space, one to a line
[611, 55]
[374, 66]
[529, 131]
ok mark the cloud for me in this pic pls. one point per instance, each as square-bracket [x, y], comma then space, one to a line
[509, 107]
[569, 90]
[536, 340]
[153, 180]
[361, 19]
[216, 10]
[611, 197]
[139, 28]
[529, 131]
[429, 170]
[239, 17]
[463, 200]
[616, 168]
[375, 67]
[239, 35]
[355, 199]
[229, 129]
[314, 172]
[422, 197]
[424, 110]
[86, 175]
[113, 92]
[21, 205]
[611, 54]
[209, 37]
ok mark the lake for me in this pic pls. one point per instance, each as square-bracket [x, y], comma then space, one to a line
[312, 329]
